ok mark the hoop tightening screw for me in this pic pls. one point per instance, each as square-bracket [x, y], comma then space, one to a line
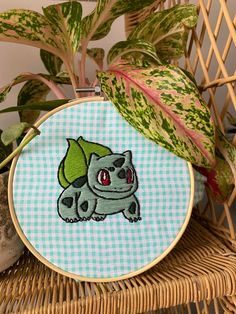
[96, 89]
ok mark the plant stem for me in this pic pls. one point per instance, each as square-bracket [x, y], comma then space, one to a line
[18, 149]
[95, 82]
[35, 129]
[82, 63]
[72, 78]
[53, 86]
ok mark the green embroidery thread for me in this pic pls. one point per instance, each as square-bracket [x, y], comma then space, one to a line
[96, 183]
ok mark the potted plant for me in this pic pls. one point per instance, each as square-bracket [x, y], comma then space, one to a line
[11, 246]
[156, 97]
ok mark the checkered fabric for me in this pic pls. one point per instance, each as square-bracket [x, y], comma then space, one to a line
[113, 247]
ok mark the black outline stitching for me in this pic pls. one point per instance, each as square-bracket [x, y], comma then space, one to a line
[77, 195]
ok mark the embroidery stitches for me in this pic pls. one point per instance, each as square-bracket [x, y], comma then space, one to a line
[96, 183]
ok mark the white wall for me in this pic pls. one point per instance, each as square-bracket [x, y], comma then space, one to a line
[15, 59]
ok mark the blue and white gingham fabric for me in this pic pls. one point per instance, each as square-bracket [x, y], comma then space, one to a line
[114, 247]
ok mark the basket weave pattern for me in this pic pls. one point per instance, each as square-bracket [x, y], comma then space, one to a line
[202, 267]
[199, 268]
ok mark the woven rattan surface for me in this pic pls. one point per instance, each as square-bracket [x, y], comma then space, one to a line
[199, 268]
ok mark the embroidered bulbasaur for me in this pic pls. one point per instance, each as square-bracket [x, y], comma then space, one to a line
[96, 183]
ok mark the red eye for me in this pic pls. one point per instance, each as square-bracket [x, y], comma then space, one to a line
[104, 177]
[130, 176]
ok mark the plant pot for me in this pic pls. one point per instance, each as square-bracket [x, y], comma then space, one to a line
[11, 247]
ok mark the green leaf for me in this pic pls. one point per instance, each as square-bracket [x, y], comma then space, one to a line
[62, 79]
[165, 106]
[98, 24]
[65, 19]
[13, 132]
[7, 88]
[33, 91]
[75, 162]
[228, 150]
[168, 30]
[4, 150]
[220, 180]
[97, 54]
[63, 75]
[43, 105]
[57, 32]
[132, 51]
[51, 62]
[90, 147]
[61, 176]
[231, 119]
[29, 28]
[190, 76]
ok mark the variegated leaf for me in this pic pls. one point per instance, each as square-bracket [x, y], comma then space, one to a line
[190, 76]
[97, 54]
[64, 76]
[133, 21]
[33, 91]
[232, 122]
[228, 150]
[168, 30]
[57, 32]
[29, 28]
[10, 134]
[98, 24]
[132, 50]
[4, 150]
[51, 62]
[165, 106]
[231, 119]
[60, 78]
[7, 88]
[30, 76]
[42, 105]
[220, 180]
[65, 19]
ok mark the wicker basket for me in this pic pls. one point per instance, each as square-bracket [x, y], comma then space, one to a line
[200, 273]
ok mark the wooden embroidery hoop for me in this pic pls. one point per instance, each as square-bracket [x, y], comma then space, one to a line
[43, 259]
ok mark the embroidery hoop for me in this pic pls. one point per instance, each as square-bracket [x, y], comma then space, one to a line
[58, 269]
